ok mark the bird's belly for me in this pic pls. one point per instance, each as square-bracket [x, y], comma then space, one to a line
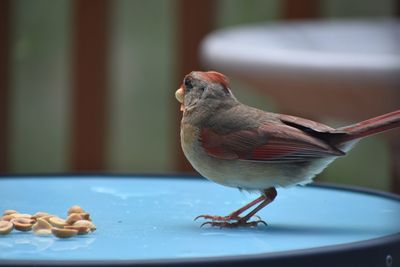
[250, 175]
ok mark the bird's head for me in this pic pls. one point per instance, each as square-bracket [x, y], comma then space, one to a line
[203, 88]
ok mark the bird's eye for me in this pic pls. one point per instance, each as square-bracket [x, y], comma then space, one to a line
[188, 84]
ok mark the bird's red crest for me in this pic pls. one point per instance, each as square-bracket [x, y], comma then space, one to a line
[217, 77]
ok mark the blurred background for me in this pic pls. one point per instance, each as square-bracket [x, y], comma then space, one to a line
[88, 86]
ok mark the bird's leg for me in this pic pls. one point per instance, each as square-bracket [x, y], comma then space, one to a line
[269, 196]
[234, 215]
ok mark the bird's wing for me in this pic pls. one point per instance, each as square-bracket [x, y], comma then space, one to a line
[271, 142]
[306, 125]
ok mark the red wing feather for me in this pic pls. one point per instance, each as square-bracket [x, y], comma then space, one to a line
[270, 143]
[304, 123]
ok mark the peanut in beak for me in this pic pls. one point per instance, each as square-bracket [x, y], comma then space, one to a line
[179, 95]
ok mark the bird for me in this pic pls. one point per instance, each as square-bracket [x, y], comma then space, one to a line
[239, 146]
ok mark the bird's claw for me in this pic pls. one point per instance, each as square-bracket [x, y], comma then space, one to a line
[223, 218]
[217, 218]
[258, 218]
[239, 223]
[229, 221]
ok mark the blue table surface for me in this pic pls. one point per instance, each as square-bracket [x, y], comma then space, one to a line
[144, 218]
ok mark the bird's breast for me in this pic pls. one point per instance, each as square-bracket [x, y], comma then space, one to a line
[233, 173]
[196, 155]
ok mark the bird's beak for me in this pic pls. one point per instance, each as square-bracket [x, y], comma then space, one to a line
[179, 94]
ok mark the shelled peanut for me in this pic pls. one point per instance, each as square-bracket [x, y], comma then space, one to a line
[78, 222]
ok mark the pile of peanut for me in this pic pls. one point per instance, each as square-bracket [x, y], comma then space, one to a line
[78, 222]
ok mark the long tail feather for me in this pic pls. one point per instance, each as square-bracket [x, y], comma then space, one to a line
[372, 126]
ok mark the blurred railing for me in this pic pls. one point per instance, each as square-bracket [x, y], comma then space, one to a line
[90, 72]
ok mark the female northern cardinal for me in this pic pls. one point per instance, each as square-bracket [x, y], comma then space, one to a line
[240, 146]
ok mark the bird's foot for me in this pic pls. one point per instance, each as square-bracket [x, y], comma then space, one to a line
[227, 218]
[218, 218]
[238, 223]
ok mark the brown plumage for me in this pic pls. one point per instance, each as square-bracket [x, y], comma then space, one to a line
[240, 146]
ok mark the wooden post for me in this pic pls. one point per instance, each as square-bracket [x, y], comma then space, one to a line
[305, 9]
[4, 82]
[89, 84]
[195, 21]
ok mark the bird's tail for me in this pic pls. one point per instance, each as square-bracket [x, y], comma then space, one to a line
[372, 126]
